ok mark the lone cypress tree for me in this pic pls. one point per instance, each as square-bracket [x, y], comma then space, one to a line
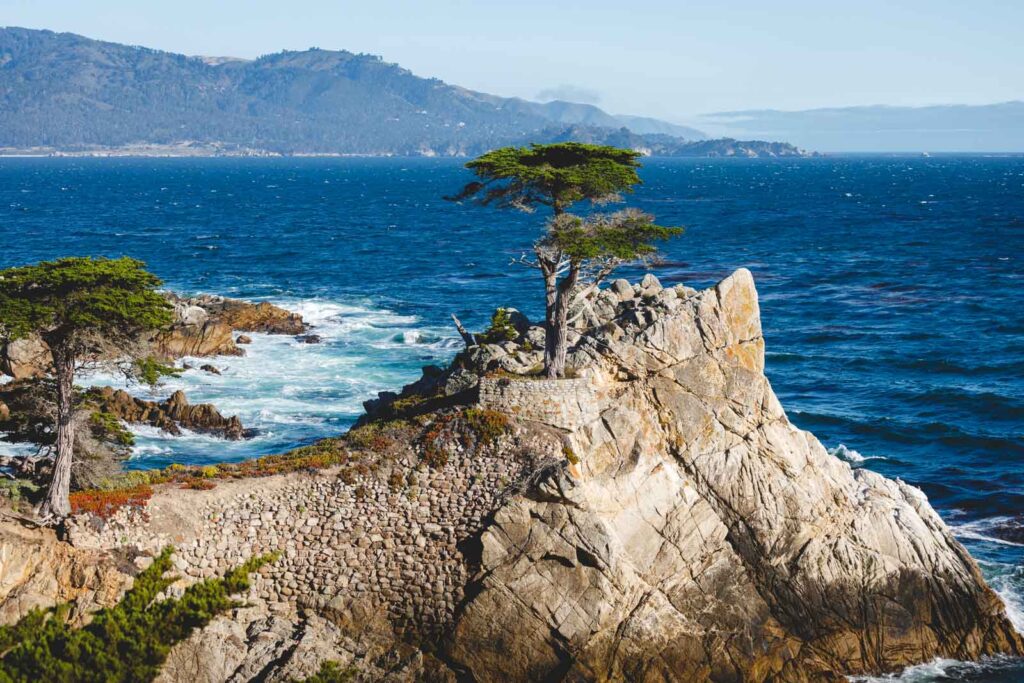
[558, 176]
[85, 309]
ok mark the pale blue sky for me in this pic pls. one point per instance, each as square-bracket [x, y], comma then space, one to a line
[666, 58]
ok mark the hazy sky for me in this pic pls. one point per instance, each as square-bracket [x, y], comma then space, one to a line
[666, 58]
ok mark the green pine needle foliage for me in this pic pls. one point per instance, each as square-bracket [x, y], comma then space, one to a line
[626, 235]
[501, 329]
[127, 643]
[151, 371]
[81, 295]
[555, 175]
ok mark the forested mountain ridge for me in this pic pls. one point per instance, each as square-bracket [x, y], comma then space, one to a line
[66, 93]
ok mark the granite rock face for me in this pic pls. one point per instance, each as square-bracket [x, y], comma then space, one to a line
[38, 570]
[205, 325]
[708, 538]
[25, 358]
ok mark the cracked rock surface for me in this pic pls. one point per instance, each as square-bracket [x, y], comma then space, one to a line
[708, 538]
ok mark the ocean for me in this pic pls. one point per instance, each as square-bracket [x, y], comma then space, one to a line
[892, 298]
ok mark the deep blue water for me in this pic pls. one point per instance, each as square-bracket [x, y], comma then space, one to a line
[892, 295]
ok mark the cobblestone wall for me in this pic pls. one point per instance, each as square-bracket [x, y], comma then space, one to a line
[395, 547]
[563, 403]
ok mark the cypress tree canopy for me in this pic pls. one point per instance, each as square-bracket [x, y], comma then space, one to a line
[556, 175]
[110, 297]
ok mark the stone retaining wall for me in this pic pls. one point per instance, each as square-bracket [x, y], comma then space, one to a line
[368, 541]
[563, 403]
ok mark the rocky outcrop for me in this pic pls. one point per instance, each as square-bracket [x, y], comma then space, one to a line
[171, 415]
[25, 358]
[244, 316]
[199, 337]
[38, 570]
[204, 325]
[671, 525]
[708, 538]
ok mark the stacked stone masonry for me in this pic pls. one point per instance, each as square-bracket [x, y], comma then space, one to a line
[563, 403]
[393, 548]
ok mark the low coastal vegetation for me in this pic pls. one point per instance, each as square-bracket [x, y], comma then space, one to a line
[127, 643]
[362, 450]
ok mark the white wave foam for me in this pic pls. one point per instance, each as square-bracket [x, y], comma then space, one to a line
[945, 670]
[981, 530]
[15, 450]
[292, 392]
[1012, 600]
[1007, 581]
[851, 456]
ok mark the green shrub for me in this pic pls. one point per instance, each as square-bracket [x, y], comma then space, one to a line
[487, 425]
[127, 643]
[108, 426]
[15, 489]
[150, 371]
[501, 329]
[209, 471]
[331, 672]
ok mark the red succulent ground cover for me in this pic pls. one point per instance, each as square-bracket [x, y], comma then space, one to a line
[105, 503]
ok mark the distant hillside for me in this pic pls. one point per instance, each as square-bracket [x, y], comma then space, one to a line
[645, 125]
[63, 92]
[945, 128]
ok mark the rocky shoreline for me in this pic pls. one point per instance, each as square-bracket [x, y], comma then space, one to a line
[657, 517]
[203, 326]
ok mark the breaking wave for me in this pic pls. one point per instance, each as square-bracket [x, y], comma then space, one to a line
[291, 392]
[843, 452]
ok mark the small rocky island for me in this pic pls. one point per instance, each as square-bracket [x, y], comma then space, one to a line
[654, 517]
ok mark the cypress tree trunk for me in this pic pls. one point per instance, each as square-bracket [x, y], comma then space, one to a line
[550, 323]
[557, 338]
[57, 503]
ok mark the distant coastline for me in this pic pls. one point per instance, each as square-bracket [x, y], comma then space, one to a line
[723, 148]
